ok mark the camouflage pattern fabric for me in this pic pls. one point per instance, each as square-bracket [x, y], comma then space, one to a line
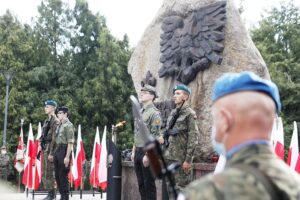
[234, 183]
[65, 133]
[4, 166]
[48, 178]
[152, 119]
[182, 146]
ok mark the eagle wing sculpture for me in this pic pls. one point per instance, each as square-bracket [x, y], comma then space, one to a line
[189, 44]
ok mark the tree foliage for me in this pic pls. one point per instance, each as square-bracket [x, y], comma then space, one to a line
[69, 55]
[277, 38]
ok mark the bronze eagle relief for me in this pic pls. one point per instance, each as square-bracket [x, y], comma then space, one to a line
[189, 44]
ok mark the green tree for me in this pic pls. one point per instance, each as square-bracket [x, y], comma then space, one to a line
[17, 52]
[70, 56]
[277, 38]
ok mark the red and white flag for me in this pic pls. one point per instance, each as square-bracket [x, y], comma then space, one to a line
[293, 157]
[73, 170]
[103, 161]
[279, 139]
[20, 157]
[79, 158]
[94, 175]
[27, 179]
[38, 161]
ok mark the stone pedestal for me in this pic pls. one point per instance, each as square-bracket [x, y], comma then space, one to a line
[130, 185]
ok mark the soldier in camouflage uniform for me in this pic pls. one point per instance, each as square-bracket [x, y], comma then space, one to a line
[49, 128]
[151, 117]
[64, 138]
[244, 107]
[181, 146]
[4, 164]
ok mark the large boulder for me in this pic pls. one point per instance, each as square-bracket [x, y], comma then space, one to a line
[239, 54]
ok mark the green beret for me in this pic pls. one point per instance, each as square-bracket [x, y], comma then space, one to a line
[50, 103]
[150, 89]
[182, 87]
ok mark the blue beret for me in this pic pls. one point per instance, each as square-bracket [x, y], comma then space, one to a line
[63, 109]
[246, 81]
[51, 103]
[182, 87]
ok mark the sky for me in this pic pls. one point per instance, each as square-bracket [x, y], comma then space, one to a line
[129, 17]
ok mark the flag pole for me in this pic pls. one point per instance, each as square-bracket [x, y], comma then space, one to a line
[71, 182]
[94, 179]
[19, 178]
[33, 181]
[19, 182]
[81, 185]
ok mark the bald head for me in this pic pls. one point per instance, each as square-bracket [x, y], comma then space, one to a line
[243, 116]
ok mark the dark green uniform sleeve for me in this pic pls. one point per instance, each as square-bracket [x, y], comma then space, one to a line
[192, 137]
[70, 133]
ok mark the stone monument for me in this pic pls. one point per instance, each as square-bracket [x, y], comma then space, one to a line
[195, 42]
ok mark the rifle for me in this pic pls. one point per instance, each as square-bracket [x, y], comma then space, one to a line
[45, 131]
[153, 150]
[170, 131]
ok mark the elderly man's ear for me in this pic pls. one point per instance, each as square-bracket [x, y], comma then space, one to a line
[227, 121]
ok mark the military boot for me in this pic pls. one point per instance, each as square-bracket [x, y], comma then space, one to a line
[50, 195]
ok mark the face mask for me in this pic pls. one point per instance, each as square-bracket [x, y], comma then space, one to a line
[218, 147]
[3, 152]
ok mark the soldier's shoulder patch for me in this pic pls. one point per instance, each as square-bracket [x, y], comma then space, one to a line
[157, 121]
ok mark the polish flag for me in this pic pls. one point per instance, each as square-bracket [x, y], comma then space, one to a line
[20, 158]
[79, 158]
[293, 157]
[73, 172]
[103, 160]
[94, 175]
[72, 175]
[38, 160]
[29, 161]
[279, 139]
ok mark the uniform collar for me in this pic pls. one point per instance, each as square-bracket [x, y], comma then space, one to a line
[65, 121]
[150, 105]
[238, 147]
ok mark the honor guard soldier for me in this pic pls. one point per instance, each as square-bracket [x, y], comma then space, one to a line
[64, 138]
[243, 111]
[184, 138]
[151, 117]
[48, 144]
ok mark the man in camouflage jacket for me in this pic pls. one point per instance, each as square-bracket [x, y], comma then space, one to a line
[49, 128]
[244, 107]
[182, 145]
